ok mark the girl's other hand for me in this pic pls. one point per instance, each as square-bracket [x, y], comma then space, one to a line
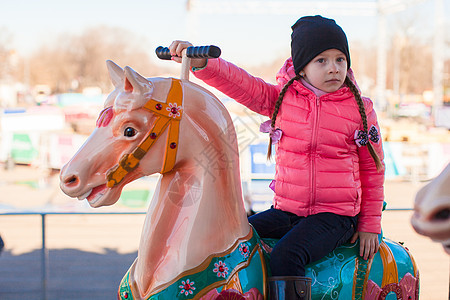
[368, 243]
[176, 48]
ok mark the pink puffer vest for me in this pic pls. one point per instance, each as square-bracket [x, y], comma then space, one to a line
[319, 167]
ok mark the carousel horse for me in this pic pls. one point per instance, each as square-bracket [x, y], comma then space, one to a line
[432, 210]
[196, 242]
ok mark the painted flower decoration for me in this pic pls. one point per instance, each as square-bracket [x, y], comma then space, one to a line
[187, 287]
[243, 248]
[221, 269]
[174, 110]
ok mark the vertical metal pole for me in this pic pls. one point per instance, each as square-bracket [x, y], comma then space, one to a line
[381, 102]
[44, 260]
[438, 58]
[192, 21]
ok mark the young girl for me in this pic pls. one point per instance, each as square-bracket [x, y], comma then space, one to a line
[329, 170]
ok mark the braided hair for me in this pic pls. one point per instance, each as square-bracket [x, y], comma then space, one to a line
[277, 108]
[362, 112]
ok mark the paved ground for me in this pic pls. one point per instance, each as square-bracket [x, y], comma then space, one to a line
[88, 254]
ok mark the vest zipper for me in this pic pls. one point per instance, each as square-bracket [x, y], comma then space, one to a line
[314, 154]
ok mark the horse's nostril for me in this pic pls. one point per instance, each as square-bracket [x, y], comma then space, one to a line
[442, 215]
[71, 180]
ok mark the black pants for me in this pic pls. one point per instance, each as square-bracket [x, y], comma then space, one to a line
[302, 239]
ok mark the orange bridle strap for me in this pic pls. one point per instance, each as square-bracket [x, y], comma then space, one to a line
[168, 115]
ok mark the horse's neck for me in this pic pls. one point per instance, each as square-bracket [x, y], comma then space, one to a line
[195, 212]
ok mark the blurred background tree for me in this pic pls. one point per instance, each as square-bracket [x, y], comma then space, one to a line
[6, 54]
[74, 62]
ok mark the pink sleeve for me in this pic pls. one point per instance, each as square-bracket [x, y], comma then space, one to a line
[236, 83]
[372, 181]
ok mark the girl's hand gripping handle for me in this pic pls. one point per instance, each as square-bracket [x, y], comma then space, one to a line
[183, 52]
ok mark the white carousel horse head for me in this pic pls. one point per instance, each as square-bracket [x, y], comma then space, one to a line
[178, 129]
[126, 122]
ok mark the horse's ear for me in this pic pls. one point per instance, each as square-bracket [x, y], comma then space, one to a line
[135, 82]
[128, 86]
[115, 73]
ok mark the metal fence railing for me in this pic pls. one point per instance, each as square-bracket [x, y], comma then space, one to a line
[44, 254]
[44, 251]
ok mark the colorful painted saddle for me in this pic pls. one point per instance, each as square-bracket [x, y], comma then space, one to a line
[241, 273]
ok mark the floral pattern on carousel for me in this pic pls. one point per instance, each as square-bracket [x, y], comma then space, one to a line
[403, 290]
[187, 287]
[331, 285]
[252, 294]
[174, 110]
[244, 250]
[217, 278]
[221, 269]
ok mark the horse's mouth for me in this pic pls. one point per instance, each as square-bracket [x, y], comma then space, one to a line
[433, 221]
[446, 247]
[437, 230]
[436, 227]
[95, 194]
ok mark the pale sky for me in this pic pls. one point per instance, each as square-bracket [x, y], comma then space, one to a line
[249, 38]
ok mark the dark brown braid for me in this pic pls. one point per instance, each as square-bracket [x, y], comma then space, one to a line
[277, 108]
[362, 112]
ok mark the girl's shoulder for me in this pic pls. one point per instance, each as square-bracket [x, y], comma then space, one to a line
[368, 103]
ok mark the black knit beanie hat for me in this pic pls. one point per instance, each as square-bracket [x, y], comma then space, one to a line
[311, 36]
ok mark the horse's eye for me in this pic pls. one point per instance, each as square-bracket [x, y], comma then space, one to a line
[129, 132]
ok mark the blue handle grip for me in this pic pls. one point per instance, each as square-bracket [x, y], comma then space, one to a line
[191, 52]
